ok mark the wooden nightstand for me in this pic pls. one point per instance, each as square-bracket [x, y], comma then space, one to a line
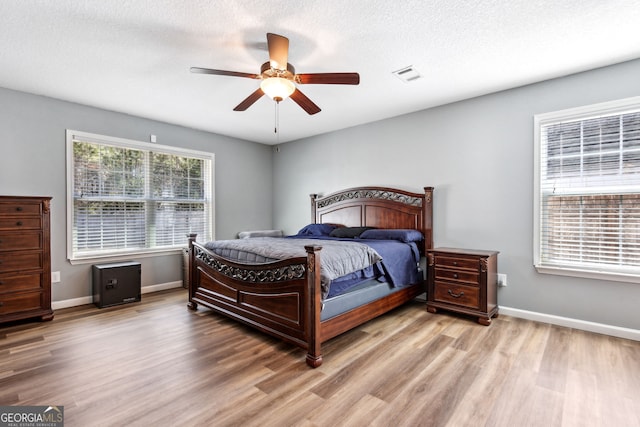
[464, 281]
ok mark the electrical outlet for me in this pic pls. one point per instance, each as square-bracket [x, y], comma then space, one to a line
[502, 280]
[55, 277]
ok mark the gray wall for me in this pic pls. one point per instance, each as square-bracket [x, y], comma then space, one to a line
[478, 154]
[32, 162]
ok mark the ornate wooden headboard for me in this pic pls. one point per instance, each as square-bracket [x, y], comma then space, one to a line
[379, 207]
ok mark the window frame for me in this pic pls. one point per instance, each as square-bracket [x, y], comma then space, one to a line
[617, 107]
[126, 254]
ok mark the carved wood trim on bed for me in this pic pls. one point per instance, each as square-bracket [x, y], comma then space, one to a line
[380, 207]
[283, 298]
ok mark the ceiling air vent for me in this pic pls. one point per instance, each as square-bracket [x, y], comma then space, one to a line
[407, 74]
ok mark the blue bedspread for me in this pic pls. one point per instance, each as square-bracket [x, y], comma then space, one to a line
[400, 263]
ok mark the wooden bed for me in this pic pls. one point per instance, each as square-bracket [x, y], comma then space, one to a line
[283, 298]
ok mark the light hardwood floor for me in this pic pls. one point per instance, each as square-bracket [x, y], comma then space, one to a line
[156, 363]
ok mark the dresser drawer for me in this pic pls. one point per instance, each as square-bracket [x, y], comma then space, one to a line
[467, 296]
[20, 223]
[17, 302]
[463, 277]
[20, 241]
[457, 262]
[19, 208]
[12, 261]
[21, 282]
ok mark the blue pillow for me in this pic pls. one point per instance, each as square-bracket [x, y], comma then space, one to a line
[403, 235]
[316, 230]
[349, 232]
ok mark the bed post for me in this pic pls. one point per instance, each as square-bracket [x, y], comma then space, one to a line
[314, 356]
[313, 197]
[427, 218]
[192, 238]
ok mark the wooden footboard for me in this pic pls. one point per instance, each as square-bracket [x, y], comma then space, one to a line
[280, 298]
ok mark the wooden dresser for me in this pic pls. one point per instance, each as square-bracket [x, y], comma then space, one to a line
[25, 258]
[464, 281]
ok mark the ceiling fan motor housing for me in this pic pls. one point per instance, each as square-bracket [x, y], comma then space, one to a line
[267, 71]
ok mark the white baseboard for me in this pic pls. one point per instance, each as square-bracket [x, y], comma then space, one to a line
[600, 328]
[161, 287]
[57, 305]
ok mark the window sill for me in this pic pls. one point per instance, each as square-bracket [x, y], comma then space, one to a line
[589, 274]
[124, 257]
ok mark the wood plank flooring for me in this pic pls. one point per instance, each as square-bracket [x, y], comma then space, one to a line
[155, 363]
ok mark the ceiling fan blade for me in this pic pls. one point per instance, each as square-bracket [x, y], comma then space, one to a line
[329, 78]
[304, 102]
[224, 73]
[278, 51]
[249, 100]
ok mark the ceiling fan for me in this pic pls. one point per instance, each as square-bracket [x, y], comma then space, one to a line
[279, 78]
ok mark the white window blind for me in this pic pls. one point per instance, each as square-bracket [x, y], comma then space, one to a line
[130, 197]
[588, 191]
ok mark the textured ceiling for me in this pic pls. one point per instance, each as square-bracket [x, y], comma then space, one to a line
[134, 56]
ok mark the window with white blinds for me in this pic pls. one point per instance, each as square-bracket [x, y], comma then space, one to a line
[130, 197]
[587, 218]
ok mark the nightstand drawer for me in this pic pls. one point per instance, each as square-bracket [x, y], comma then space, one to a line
[464, 277]
[467, 296]
[455, 262]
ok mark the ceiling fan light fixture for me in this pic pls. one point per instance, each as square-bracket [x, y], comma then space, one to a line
[277, 88]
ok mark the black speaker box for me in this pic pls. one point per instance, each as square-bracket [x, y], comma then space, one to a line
[115, 284]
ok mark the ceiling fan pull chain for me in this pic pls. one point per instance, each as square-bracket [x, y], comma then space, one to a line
[277, 122]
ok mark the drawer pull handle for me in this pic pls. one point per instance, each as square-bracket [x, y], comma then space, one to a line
[19, 223]
[455, 275]
[19, 208]
[461, 294]
[455, 262]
